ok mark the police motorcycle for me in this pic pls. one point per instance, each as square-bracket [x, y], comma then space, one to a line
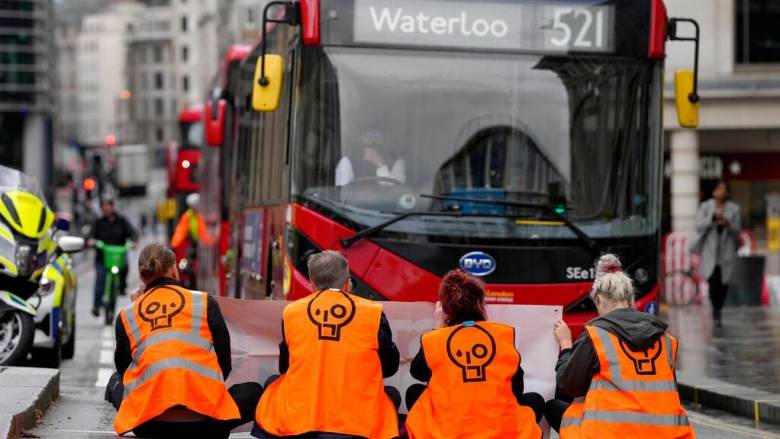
[37, 283]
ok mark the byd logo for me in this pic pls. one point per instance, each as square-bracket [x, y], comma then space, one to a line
[477, 263]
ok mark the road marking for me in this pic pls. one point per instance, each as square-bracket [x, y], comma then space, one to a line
[107, 433]
[108, 333]
[706, 421]
[107, 344]
[106, 357]
[103, 376]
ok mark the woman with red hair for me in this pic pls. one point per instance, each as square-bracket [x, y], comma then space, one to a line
[472, 367]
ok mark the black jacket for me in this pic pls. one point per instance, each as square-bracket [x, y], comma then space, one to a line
[422, 372]
[576, 366]
[219, 333]
[113, 231]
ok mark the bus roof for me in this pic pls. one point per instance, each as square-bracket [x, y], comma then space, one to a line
[190, 114]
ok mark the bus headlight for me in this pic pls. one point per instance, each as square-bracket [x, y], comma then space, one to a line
[641, 276]
[115, 269]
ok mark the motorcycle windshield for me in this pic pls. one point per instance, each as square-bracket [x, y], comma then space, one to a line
[14, 180]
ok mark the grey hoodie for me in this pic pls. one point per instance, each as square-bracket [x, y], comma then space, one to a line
[576, 366]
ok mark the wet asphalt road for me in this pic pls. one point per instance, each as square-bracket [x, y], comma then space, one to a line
[80, 412]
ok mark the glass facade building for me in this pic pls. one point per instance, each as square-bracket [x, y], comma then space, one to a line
[26, 85]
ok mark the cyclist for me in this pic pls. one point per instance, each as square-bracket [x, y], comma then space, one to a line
[114, 229]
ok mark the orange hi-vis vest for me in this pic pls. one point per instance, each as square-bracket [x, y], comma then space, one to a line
[470, 391]
[634, 394]
[174, 363]
[334, 382]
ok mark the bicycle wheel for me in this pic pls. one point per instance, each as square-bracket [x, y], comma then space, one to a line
[679, 288]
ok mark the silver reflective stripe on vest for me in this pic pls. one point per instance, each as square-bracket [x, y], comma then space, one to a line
[134, 329]
[197, 310]
[668, 346]
[636, 418]
[161, 337]
[642, 386]
[617, 382]
[172, 363]
[571, 422]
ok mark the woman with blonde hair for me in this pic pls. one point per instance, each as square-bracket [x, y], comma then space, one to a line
[619, 371]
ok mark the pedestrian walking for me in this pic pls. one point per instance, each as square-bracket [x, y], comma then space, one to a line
[619, 371]
[336, 348]
[474, 374]
[718, 223]
[172, 359]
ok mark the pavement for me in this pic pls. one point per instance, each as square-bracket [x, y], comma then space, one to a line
[734, 368]
[27, 393]
[80, 411]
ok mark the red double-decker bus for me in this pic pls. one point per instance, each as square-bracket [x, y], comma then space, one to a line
[219, 159]
[184, 155]
[517, 140]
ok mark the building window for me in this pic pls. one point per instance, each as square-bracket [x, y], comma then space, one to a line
[158, 81]
[184, 23]
[158, 54]
[250, 16]
[160, 135]
[185, 53]
[158, 107]
[758, 35]
[185, 83]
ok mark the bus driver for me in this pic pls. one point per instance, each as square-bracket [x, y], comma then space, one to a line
[372, 142]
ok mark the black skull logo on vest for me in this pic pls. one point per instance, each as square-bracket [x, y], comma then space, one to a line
[331, 311]
[159, 306]
[472, 348]
[643, 360]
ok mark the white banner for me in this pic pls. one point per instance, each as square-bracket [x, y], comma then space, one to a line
[256, 329]
[255, 332]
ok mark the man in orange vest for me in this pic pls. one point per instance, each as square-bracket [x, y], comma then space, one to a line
[172, 358]
[620, 370]
[336, 350]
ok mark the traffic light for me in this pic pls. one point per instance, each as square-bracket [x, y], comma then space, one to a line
[110, 140]
[89, 186]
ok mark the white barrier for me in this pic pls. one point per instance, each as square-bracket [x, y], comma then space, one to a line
[255, 332]
[677, 259]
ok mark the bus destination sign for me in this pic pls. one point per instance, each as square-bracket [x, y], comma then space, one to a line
[534, 27]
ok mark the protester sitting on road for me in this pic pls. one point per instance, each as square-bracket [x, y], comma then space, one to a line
[336, 348]
[172, 358]
[620, 370]
[475, 381]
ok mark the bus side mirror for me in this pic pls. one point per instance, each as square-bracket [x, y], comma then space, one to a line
[267, 85]
[687, 108]
[686, 82]
[215, 122]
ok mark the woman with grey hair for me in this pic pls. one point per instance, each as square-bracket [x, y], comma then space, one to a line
[601, 359]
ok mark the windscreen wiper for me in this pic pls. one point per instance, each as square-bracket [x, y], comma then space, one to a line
[371, 231]
[588, 243]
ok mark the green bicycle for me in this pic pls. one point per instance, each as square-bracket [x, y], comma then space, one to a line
[114, 261]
